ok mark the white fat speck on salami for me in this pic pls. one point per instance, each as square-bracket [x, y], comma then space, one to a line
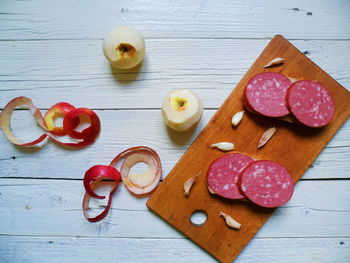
[310, 103]
[266, 93]
[223, 174]
[266, 183]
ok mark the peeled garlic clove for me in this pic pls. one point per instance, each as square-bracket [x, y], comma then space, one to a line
[230, 221]
[224, 146]
[274, 62]
[292, 79]
[266, 136]
[188, 184]
[211, 191]
[236, 119]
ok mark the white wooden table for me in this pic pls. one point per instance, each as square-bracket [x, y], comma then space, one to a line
[50, 51]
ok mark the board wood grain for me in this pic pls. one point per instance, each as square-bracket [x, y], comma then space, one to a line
[294, 146]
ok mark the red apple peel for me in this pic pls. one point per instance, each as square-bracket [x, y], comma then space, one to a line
[123, 161]
[100, 172]
[139, 154]
[5, 118]
[71, 120]
[88, 135]
[86, 202]
[56, 111]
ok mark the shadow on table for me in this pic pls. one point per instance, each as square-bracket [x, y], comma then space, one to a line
[126, 77]
[181, 138]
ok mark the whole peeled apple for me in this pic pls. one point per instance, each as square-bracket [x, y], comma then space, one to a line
[124, 47]
[182, 109]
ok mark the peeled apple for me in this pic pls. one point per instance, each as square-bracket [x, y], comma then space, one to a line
[124, 47]
[182, 110]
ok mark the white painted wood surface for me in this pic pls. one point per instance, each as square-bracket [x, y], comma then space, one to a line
[50, 51]
[92, 250]
[52, 202]
[210, 67]
[41, 19]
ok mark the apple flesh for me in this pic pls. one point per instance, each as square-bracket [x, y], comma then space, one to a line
[124, 47]
[140, 184]
[182, 110]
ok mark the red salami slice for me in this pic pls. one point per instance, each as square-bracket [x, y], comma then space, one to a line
[266, 93]
[223, 175]
[311, 103]
[266, 183]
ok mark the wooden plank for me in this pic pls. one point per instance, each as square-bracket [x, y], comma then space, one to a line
[62, 70]
[90, 250]
[53, 208]
[295, 148]
[125, 128]
[40, 19]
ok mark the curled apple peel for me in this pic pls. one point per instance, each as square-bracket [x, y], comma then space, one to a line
[59, 110]
[86, 201]
[71, 120]
[87, 136]
[138, 184]
[99, 172]
[139, 180]
[92, 177]
[5, 119]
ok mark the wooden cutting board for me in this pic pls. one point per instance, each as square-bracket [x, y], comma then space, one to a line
[294, 146]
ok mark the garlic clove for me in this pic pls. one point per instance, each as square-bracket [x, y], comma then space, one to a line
[188, 184]
[275, 62]
[211, 191]
[266, 136]
[224, 146]
[237, 117]
[230, 221]
[292, 79]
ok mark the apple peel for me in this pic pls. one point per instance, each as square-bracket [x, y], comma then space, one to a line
[59, 110]
[139, 180]
[86, 136]
[5, 119]
[87, 198]
[99, 172]
[139, 184]
[71, 120]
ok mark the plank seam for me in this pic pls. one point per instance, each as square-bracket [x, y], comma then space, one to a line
[164, 238]
[172, 38]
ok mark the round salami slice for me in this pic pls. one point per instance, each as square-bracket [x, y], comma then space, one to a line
[311, 103]
[266, 93]
[223, 175]
[266, 183]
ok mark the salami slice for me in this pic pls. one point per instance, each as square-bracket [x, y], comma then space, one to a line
[266, 93]
[223, 175]
[266, 183]
[311, 103]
